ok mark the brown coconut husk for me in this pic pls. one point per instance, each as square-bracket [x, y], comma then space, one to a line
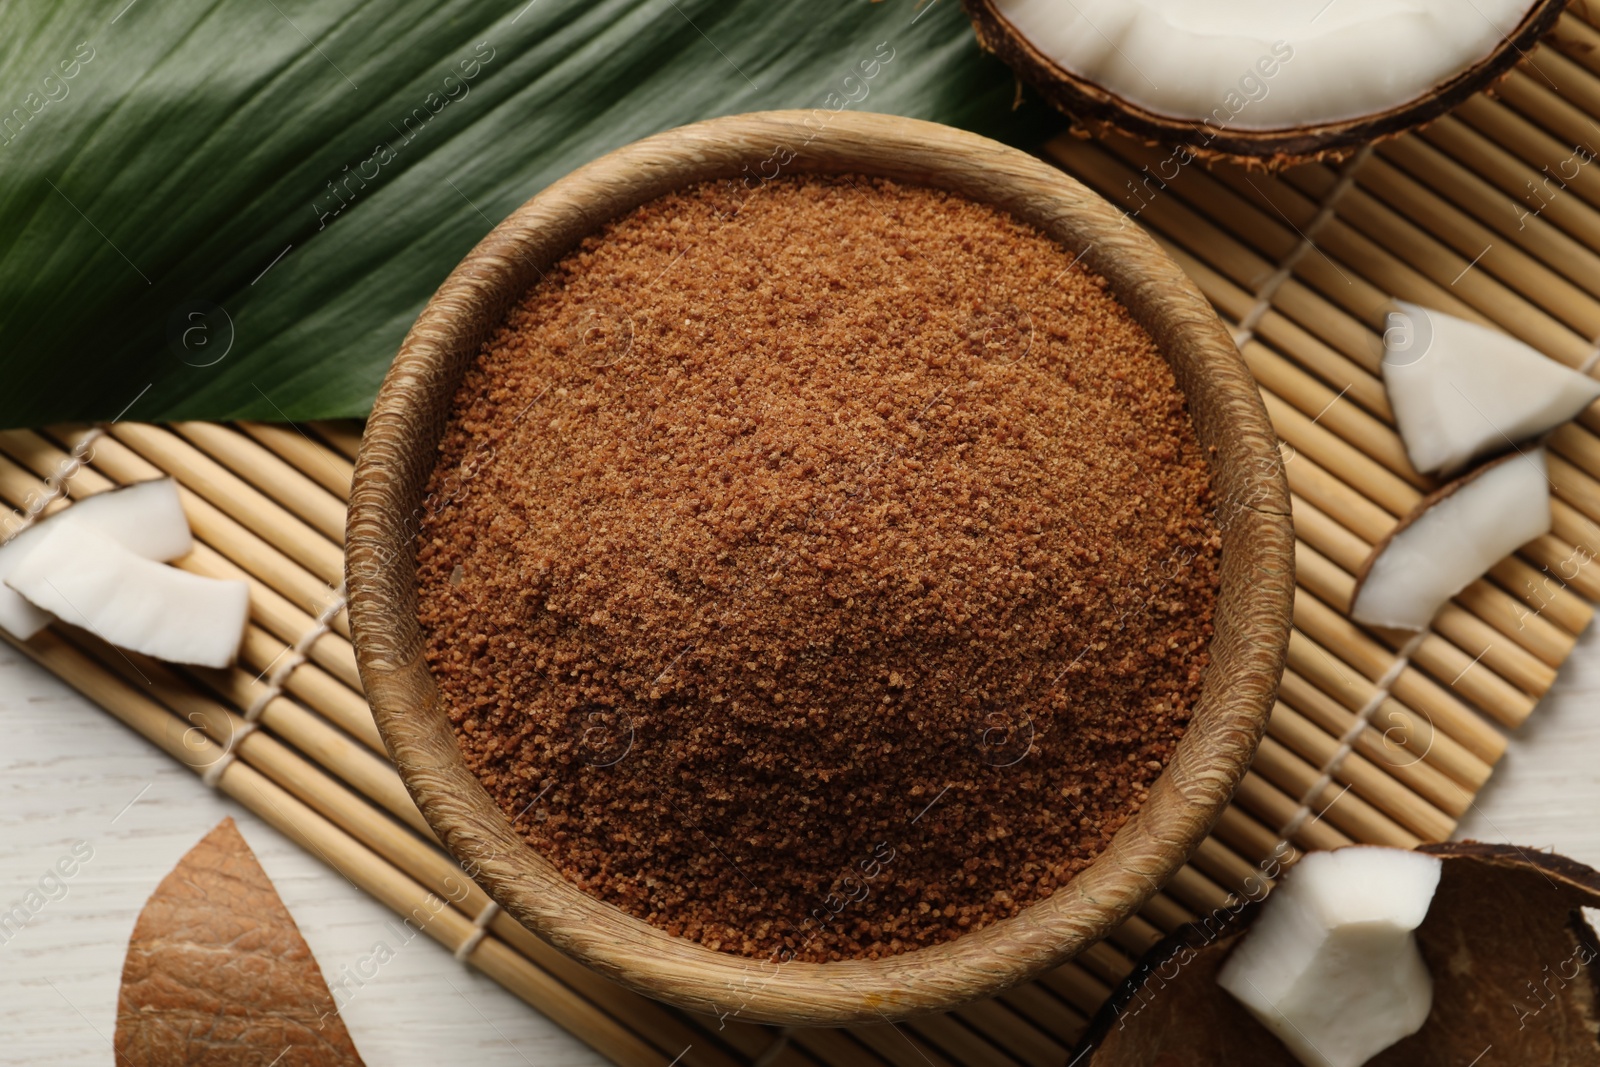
[1511, 956]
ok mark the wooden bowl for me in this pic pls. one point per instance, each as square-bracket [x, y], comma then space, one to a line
[1252, 617]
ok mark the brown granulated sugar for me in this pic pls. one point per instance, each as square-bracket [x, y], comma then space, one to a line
[818, 572]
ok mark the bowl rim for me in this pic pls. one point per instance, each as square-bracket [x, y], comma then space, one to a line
[1251, 623]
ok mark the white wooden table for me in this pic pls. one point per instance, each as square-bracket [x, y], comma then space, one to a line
[72, 773]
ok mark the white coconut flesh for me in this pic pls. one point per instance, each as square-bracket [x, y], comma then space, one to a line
[146, 518]
[1331, 964]
[1468, 528]
[1460, 390]
[91, 580]
[1265, 64]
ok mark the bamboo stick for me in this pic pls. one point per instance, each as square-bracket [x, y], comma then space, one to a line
[1359, 383]
[1388, 450]
[1569, 215]
[1342, 302]
[892, 1043]
[1338, 805]
[1511, 219]
[1497, 122]
[1576, 38]
[1078, 988]
[347, 708]
[1093, 167]
[1544, 593]
[1572, 93]
[329, 697]
[1485, 600]
[1248, 836]
[1166, 913]
[828, 1046]
[1107, 964]
[1452, 278]
[229, 537]
[1323, 404]
[1354, 468]
[250, 460]
[1508, 663]
[1137, 935]
[344, 437]
[234, 495]
[1301, 690]
[1467, 745]
[329, 468]
[1265, 803]
[1399, 817]
[1008, 1029]
[1227, 868]
[1044, 1010]
[1277, 805]
[1245, 834]
[1517, 269]
[957, 1042]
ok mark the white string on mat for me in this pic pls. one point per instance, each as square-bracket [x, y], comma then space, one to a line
[281, 670]
[213, 772]
[1268, 290]
[56, 483]
[1589, 361]
[1347, 742]
[480, 930]
[296, 656]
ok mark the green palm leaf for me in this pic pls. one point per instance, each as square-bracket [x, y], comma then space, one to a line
[226, 209]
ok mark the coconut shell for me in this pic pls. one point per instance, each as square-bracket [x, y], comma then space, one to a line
[1511, 956]
[218, 975]
[1444, 492]
[1097, 109]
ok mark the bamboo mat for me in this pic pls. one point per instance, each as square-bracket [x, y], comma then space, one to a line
[1492, 214]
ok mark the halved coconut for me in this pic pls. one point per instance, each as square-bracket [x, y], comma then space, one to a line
[1512, 959]
[1451, 539]
[1260, 79]
[1460, 390]
[90, 580]
[146, 518]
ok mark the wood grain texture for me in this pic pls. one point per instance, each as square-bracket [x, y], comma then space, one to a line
[1252, 619]
[1101, 110]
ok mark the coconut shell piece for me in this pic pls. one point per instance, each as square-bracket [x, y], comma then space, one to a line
[1512, 959]
[218, 975]
[1099, 110]
[1488, 538]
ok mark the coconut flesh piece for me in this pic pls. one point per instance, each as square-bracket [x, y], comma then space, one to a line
[1265, 64]
[1451, 539]
[1331, 965]
[89, 579]
[146, 518]
[1460, 390]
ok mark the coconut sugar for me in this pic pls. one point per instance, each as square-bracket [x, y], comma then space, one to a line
[821, 571]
